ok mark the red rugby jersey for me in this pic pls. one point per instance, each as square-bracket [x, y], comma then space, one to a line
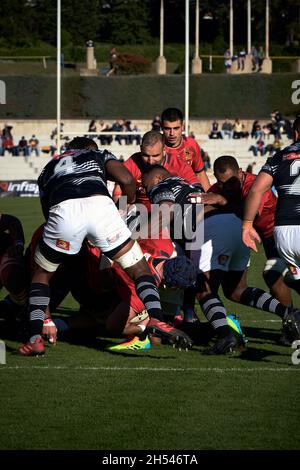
[173, 164]
[264, 221]
[188, 151]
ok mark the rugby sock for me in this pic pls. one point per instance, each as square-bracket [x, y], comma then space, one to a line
[39, 298]
[258, 298]
[148, 293]
[215, 313]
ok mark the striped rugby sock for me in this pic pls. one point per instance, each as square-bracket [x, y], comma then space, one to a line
[215, 312]
[39, 298]
[147, 291]
[258, 298]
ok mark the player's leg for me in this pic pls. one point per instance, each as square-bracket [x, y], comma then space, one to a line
[13, 278]
[63, 235]
[111, 234]
[274, 273]
[213, 308]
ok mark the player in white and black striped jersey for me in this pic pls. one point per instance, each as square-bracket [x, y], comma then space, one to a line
[221, 260]
[77, 205]
[282, 171]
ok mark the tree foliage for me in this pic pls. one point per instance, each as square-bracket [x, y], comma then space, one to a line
[28, 22]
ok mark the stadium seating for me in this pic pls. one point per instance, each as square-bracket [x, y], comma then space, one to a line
[14, 168]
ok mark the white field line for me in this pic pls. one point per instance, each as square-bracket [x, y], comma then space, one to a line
[157, 369]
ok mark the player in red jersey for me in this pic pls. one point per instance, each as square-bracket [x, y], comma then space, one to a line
[226, 170]
[12, 270]
[105, 292]
[153, 153]
[185, 148]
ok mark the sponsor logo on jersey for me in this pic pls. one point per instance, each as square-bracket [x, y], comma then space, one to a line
[222, 259]
[63, 244]
[291, 156]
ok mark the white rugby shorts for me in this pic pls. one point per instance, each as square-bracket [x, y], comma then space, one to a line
[287, 239]
[95, 217]
[223, 247]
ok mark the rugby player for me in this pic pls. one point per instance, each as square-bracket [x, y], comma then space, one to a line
[281, 170]
[222, 252]
[183, 147]
[153, 153]
[77, 204]
[12, 268]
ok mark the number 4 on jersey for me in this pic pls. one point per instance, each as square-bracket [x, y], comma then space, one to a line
[65, 165]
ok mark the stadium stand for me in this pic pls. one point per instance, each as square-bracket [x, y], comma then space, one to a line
[13, 168]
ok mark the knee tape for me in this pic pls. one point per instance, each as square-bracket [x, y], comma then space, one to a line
[133, 256]
[40, 259]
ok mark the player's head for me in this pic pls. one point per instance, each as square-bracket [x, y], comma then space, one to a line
[154, 175]
[82, 143]
[179, 272]
[152, 148]
[172, 126]
[296, 129]
[229, 175]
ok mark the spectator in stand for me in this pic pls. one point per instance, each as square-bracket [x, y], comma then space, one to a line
[258, 148]
[156, 124]
[113, 60]
[118, 127]
[215, 133]
[256, 132]
[255, 59]
[54, 132]
[92, 128]
[34, 145]
[238, 130]
[23, 147]
[105, 139]
[261, 57]
[227, 129]
[127, 127]
[137, 138]
[227, 60]
[206, 160]
[241, 59]
[7, 140]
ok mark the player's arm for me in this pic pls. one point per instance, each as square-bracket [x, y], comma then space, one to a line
[203, 180]
[118, 173]
[199, 169]
[262, 183]
[12, 225]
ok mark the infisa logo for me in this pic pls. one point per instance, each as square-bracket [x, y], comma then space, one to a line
[2, 92]
[296, 94]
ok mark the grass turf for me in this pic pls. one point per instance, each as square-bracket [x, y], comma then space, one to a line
[81, 397]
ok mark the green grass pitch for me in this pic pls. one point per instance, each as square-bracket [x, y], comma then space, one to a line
[81, 397]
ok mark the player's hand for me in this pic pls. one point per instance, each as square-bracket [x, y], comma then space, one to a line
[213, 198]
[250, 237]
[50, 331]
[195, 198]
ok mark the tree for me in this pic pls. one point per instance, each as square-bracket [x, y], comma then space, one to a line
[128, 22]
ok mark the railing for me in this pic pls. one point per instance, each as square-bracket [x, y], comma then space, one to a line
[215, 56]
[43, 58]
